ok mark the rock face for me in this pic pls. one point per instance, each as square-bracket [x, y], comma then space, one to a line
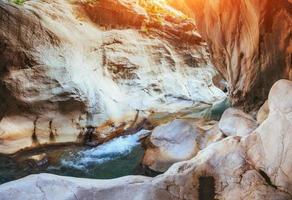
[176, 141]
[233, 168]
[250, 43]
[65, 66]
[235, 122]
[116, 13]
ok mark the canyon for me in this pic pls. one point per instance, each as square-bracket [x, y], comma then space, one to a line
[163, 73]
[74, 72]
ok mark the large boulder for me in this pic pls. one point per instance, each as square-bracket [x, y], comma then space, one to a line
[176, 141]
[122, 13]
[235, 122]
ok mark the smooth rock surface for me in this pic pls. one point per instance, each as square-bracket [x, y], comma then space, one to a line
[235, 122]
[173, 142]
[270, 148]
[176, 141]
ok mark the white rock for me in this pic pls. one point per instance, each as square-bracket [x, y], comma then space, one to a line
[236, 123]
[176, 141]
[270, 147]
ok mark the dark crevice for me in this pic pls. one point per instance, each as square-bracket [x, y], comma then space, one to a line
[206, 188]
[146, 171]
[52, 136]
[267, 179]
[88, 137]
[34, 135]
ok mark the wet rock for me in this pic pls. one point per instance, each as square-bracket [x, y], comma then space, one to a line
[37, 161]
[235, 122]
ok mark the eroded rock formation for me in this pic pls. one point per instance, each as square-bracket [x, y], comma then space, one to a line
[250, 43]
[65, 66]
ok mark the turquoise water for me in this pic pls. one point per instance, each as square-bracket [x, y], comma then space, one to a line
[117, 158]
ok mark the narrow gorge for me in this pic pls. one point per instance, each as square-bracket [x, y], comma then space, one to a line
[145, 99]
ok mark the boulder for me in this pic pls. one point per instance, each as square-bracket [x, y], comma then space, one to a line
[178, 140]
[173, 142]
[270, 147]
[235, 122]
[121, 13]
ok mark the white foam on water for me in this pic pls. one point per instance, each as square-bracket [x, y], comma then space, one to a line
[111, 150]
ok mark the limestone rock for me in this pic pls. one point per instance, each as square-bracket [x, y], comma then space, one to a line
[250, 42]
[173, 142]
[46, 186]
[235, 122]
[176, 141]
[270, 147]
[64, 70]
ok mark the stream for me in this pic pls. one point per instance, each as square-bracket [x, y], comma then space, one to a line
[118, 157]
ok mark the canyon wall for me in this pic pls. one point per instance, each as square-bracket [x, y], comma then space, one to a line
[66, 65]
[250, 42]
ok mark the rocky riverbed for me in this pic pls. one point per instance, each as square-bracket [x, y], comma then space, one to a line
[193, 93]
